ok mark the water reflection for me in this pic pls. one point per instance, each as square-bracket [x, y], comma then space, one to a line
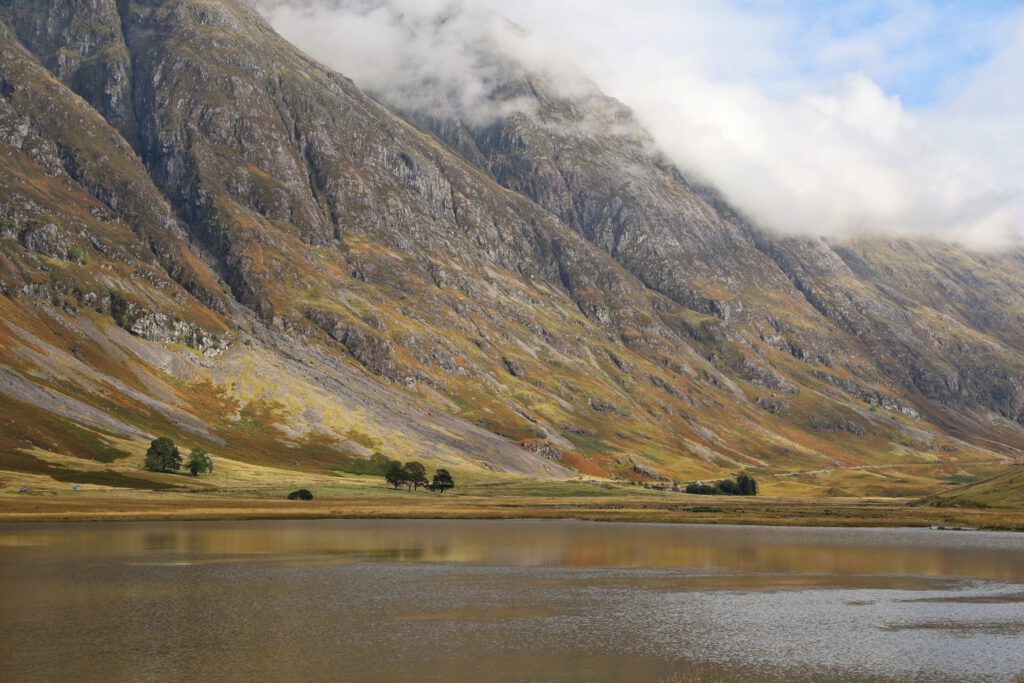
[478, 601]
[918, 552]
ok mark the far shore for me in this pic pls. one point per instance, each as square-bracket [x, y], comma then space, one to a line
[590, 504]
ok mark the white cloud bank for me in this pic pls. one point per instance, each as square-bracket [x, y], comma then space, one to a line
[784, 115]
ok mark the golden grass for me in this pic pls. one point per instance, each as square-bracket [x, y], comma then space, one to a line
[364, 499]
[1004, 490]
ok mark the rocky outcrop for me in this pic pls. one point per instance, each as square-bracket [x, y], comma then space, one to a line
[374, 352]
[544, 450]
[159, 327]
[46, 240]
[645, 471]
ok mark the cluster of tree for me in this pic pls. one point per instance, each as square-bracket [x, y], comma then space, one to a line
[744, 485]
[413, 475]
[164, 456]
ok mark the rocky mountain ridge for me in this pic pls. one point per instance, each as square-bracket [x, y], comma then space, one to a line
[207, 233]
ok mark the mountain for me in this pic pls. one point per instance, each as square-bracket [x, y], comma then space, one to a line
[206, 233]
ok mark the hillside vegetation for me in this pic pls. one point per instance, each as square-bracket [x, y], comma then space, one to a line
[1004, 490]
[207, 235]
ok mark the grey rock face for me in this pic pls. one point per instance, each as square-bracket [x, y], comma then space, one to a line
[372, 351]
[159, 327]
[80, 42]
[584, 158]
[46, 240]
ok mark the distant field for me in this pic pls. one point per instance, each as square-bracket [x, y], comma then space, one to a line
[368, 498]
[122, 489]
[1005, 490]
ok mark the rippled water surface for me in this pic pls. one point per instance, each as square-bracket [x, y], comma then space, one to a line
[507, 601]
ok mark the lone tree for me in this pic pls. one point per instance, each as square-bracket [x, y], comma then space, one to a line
[163, 456]
[199, 462]
[416, 475]
[396, 474]
[442, 481]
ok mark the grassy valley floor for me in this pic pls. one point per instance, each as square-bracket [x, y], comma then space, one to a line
[73, 489]
[512, 499]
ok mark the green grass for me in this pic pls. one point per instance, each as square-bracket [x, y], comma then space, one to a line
[108, 478]
[1005, 490]
[555, 489]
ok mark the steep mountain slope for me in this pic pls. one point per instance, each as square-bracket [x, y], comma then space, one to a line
[76, 279]
[947, 329]
[943, 323]
[210, 235]
[325, 210]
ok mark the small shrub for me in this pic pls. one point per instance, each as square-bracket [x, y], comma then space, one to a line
[76, 254]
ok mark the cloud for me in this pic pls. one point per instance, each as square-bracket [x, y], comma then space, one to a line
[867, 118]
[435, 56]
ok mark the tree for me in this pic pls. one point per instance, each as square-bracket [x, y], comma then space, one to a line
[163, 456]
[442, 481]
[744, 485]
[416, 475]
[199, 462]
[396, 474]
[729, 487]
[747, 485]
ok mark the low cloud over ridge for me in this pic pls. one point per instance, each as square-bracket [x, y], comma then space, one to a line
[822, 151]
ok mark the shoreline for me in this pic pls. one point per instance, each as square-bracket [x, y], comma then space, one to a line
[683, 509]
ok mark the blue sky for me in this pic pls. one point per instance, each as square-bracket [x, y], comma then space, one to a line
[916, 50]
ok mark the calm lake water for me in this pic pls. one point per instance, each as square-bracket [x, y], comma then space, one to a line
[506, 601]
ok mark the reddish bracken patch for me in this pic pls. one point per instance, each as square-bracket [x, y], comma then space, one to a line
[582, 465]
